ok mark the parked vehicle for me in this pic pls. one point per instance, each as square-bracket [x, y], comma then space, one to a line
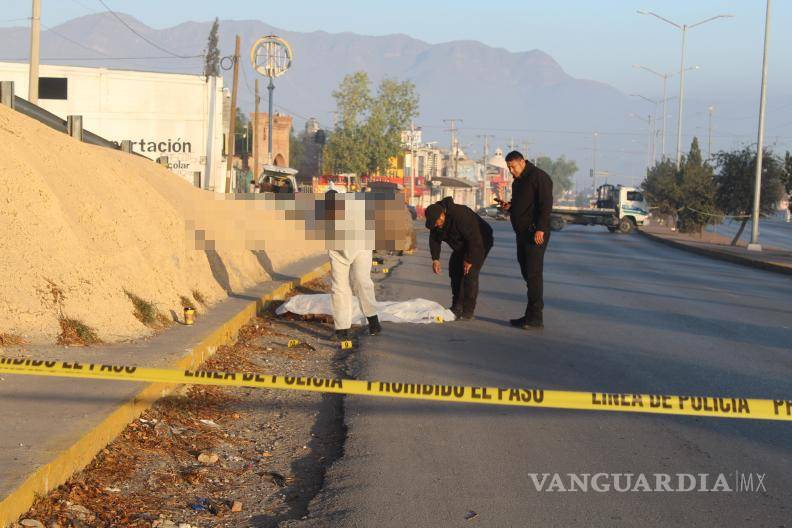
[493, 211]
[619, 208]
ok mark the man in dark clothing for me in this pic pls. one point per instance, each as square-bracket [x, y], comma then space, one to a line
[470, 238]
[529, 210]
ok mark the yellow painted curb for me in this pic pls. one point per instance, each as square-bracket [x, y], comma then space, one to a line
[82, 452]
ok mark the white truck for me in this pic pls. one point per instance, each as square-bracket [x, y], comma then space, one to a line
[618, 208]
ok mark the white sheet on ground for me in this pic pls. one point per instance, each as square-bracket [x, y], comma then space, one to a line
[412, 311]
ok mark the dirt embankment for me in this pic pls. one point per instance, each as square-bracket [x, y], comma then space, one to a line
[219, 456]
[88, 233]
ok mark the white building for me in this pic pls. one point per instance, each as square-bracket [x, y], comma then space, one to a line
[163, 114]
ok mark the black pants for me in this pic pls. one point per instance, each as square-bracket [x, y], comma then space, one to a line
[464, 288]
[531, 259]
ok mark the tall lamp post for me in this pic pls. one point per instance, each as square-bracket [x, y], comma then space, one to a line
[652, 126]
[754, 245]
[710, 110]
[649, 147]
[270, 56]
[683, 29]
[665, 77]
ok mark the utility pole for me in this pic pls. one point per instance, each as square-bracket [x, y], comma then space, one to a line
[232, 122]
[454, 142]
[256, 138]
[413, 166]
[711, 109]
[754, 245]
[526, 145]
[35, 37]
[485, 181]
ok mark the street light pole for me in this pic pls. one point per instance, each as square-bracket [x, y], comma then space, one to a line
[270, 89]
[649, 153]
[754, 245]
[665, 113]
[681, 98]
[652, 119]
[711, 109]
[594, 167]
[683, 28]
[665, 77]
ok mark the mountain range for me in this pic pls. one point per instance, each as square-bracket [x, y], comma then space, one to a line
[524, 96]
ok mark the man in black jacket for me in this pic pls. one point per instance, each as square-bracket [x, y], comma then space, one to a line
[470, 238]
[529, 210]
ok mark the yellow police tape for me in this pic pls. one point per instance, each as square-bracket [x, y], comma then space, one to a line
[524, 397]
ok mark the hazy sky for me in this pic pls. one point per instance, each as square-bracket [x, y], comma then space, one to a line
[591, 39]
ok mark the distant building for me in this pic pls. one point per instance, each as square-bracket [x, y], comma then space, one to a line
[164, 115]
[281, 131]
[411, 137]
[428, 161]
[312, 127]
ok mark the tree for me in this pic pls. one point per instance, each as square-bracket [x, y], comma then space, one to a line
[561, 171]
[735, 181]
[305, 154]
[697, 192]
[345, 152]
[663, 189]
[787, 176]
[241, 139]
[297, 153]
[212, 55]
[581, 200]
[368, 129]
[391, 111]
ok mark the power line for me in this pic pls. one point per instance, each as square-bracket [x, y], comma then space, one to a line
[13, 59]
[84, 6]
[130, 28]
[64, 37]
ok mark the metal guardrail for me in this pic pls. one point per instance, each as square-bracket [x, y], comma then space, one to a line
[23, 106]
[29, 109]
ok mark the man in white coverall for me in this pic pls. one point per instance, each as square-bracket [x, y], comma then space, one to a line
[350, 249]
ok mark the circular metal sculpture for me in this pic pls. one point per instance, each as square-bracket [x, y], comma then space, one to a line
[271, 56]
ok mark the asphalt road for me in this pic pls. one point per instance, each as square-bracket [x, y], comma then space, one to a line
[623, 314]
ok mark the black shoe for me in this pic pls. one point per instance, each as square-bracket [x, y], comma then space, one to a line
[456, 311]
[526, 323]
[466, 317]
[534, 322]
[374, 326]
[519, 322]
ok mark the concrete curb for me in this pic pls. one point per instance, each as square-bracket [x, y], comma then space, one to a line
[719, 255]
[83, 451]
